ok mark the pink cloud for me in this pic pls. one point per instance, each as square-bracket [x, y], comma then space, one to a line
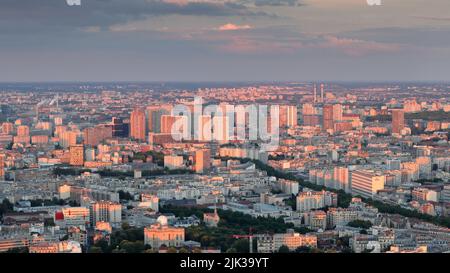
[229, 26]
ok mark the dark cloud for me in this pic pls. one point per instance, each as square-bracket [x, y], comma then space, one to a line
[104, 13]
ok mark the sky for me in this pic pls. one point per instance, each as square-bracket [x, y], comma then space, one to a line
[231, 40]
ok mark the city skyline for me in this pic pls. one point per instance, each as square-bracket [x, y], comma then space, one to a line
[232, 127]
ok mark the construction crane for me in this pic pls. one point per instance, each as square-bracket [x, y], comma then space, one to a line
[249, 237]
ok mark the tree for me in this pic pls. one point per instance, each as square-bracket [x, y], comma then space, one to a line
[49, 222]
[183, 250]
[125, 226]
[171, 250]
[18, 250]
[360, 224]
[95, 249]
[103, 245]
[303, 249]
[241, 246]
[196, 250]
[231, 250]
[283, 249]
[125, 195]
[119, 251]
[132, 247]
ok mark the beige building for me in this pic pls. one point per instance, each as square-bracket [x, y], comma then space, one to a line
[77, 155]
[161, 234]
[366, 183]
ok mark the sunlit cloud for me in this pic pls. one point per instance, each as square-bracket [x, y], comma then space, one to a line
[229, 26]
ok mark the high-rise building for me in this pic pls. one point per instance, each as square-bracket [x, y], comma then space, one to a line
[202, 160]
[154, 114]
[106, 211]
[76, 155]
[337, 112]
[288, 116]
[366, 183]
[94, 135]
[328, 117]
[398, 121]
[204, 130]
[119, 128]
[341, 179]
[167, 122]
[137, 124]
[221, 129]
[67, 138]
[332, 113]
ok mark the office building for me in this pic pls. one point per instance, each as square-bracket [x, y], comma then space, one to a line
[137, 124]
[202, 160]
[106, 211]
[366, 183]
[77, 155]
[398, 121]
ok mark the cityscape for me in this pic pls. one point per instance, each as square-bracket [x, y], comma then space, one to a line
[231, 133]
[100, 168]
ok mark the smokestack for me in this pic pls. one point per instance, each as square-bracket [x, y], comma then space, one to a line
[321, 92]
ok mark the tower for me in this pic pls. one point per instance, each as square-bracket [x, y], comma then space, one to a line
[76, 155]
[137, 124]
[398, 121]
[328, 117]
[322, 86]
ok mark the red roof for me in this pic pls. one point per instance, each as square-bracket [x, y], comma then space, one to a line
[59, 215]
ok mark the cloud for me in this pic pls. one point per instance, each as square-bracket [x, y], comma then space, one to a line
[51, 14]
[229, 26]
[356, 47]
